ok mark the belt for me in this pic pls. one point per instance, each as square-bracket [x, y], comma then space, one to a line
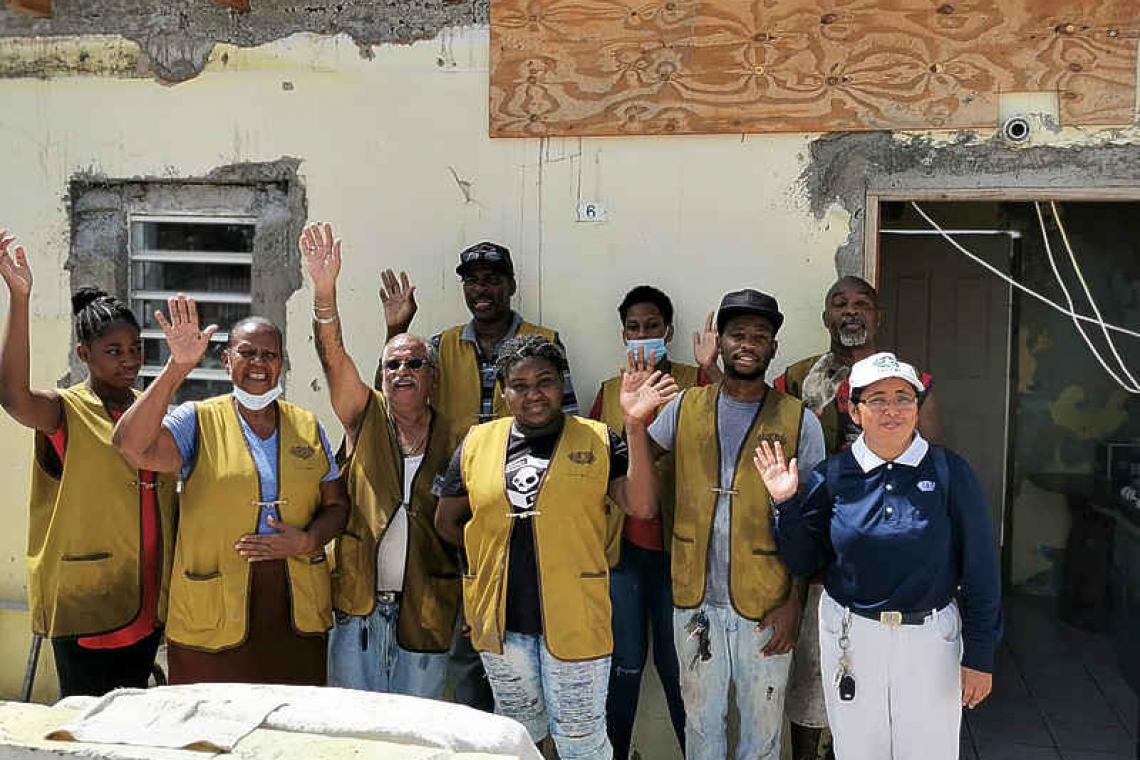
[388, 597]
[894, 618]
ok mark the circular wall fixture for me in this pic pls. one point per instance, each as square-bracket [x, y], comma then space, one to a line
[1015, 129]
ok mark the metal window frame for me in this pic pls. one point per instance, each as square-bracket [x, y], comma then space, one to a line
[186, 257]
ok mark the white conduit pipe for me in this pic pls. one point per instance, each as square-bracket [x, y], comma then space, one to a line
[1070, 312]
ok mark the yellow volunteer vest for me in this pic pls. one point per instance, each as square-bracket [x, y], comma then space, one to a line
[374, 477]
[686, 376]
[458, 393]
[573, 578]
[209, 587]
[758, 578]
[85, 529]
[829, 415]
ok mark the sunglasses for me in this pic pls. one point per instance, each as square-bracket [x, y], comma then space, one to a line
[489, 253]
[414, 365]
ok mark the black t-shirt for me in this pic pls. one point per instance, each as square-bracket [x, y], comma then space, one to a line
[527, 461]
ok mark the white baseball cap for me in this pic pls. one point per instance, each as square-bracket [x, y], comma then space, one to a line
[880, 366]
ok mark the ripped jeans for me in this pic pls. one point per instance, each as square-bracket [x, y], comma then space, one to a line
[549, 696]
[760, 683]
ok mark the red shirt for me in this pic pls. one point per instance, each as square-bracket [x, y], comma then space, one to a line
[147, 620]
[648, 534]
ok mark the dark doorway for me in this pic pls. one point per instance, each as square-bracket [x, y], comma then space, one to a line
[1024, 400]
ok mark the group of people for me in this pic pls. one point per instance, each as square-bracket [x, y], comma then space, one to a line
[805, 548]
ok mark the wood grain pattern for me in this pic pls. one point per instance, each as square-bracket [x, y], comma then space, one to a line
[40, 8]
[614, 67]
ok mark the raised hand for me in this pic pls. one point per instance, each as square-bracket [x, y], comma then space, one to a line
[321, 253]
[705, 343]
[640, 366]
[780, 478]
[14, 266]
[642, 397]
[187, 343]
[398, 296]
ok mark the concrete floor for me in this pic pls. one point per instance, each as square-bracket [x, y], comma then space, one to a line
[1058, 694]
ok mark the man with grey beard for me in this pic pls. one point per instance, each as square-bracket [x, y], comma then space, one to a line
[852, 317]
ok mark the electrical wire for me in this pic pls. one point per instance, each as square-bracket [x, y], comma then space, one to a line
[1023, 288]
[1088, 294]
[1069, 300]
[1070, 312]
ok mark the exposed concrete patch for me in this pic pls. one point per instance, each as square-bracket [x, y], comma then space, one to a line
[271, 192]
[177, 37]
[844, 166]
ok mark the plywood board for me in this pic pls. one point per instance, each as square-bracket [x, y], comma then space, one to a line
[615, 67]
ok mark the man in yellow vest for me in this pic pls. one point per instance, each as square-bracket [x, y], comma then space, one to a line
[396, 584]
[737, 608]
[636, 549]
[526, 498]
[852, 318]
[250, 596]
[466, 392]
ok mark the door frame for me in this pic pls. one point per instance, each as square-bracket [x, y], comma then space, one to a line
[871, 267]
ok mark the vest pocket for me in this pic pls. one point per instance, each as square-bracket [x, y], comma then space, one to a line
[196, 600]
[311, 588]
[349, 577]
[684, 559]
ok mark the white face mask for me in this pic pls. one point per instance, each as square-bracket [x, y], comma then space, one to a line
[255, 403]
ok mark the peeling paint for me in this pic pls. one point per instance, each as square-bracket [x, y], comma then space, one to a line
[178, 37]
[843, 167]
[100, 56]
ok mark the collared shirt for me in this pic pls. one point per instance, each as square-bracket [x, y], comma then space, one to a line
[487, 367]
[890, 536]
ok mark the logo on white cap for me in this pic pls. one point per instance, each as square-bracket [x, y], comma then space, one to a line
[881, 366]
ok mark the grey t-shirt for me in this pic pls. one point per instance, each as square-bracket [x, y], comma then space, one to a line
[734, 419]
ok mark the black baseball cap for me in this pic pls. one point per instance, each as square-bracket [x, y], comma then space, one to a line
[748, 301]
[491, 254]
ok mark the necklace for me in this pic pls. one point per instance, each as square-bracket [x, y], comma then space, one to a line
[410, 446]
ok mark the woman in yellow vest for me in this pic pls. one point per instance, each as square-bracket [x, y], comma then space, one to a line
[99, 533]
[635, 549]
[526, 498]
[250, 595]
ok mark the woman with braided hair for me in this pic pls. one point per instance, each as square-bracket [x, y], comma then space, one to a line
[526, 497]
[100, 531]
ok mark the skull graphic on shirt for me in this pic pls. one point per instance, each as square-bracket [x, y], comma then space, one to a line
[523, 477]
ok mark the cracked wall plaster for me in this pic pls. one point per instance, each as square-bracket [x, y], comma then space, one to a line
[177, 37]
[844, 167]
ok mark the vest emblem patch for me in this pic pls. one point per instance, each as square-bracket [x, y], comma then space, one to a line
[303, 452]
[926, 485]
[581, 457]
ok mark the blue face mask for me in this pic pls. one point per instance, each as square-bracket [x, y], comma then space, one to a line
[656, 346]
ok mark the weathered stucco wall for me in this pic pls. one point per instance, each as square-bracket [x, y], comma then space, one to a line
[392, 150]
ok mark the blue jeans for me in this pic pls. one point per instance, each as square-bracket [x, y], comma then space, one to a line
[363, 654]
[642, 598]
[549, 696]
[736, 660]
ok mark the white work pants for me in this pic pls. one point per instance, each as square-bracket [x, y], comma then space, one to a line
[908, 686]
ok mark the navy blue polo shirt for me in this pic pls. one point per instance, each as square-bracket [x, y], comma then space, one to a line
[892, 536]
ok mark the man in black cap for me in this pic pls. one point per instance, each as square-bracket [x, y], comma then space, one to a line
[466, 391]
[736, 606]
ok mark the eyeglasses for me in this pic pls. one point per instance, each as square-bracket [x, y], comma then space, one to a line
[880, 404]
[415, 365]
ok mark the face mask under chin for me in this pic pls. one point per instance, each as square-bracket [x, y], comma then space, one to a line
[257, 402]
